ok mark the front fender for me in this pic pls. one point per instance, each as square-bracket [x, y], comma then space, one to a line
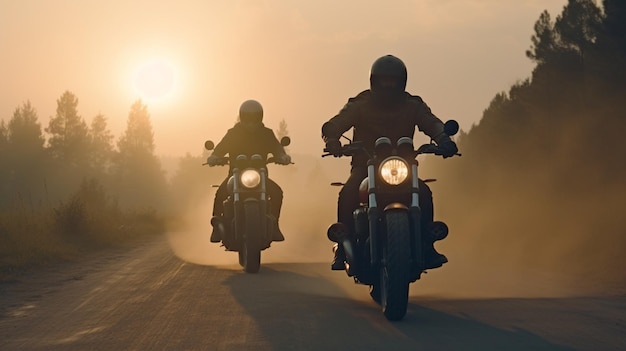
[417, 249]
[261, 230]
[395, 206]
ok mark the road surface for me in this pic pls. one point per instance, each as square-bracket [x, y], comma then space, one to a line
[153, 298]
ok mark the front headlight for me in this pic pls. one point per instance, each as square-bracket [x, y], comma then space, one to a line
[394, 170]
[250, 178]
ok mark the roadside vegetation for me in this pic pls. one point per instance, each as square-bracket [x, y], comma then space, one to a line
[67, 191]
[86, 222]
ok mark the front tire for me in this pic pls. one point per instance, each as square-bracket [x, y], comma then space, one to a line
[395, 266]
[250, 252]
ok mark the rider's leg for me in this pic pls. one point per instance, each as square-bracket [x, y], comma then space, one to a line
[218, 210]
[276, 202]
[433, 258]
[348, 201]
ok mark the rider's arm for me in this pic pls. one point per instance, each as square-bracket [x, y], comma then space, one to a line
[276, 149]
[425, 120]
[221, 149]
[346, 118]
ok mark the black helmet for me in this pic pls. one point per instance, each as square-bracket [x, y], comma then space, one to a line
[388, 66]
[251, 111]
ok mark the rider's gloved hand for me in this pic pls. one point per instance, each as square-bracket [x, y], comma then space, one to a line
[283, 159]
[448, 147]
[213, 160]
[333, 146]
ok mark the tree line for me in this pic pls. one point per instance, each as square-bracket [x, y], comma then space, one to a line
[544, 168]
[70, 187]
[40, 167]
[571, 108]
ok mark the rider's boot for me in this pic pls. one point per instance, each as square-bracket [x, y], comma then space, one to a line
[277, 235]
[339, 259]
[216, 234]
[433, 259]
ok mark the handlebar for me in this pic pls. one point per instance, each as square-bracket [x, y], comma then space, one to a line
[273, 160]
[355, 147]
[222, 161]
[431, 149]
[348, 149]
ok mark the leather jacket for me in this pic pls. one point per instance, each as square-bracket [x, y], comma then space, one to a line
[372, 119]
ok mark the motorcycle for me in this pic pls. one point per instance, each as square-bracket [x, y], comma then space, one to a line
[386, 249]
[247, 225]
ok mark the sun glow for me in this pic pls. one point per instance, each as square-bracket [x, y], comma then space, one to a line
[155, 80]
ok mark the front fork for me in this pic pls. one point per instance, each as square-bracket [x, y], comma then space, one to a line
[373, 214]
[238, 205]
[415, 215]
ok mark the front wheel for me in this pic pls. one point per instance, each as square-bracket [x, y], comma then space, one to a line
[250, 252]
[395, 266]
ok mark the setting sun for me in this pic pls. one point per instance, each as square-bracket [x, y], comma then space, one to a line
[155, 80]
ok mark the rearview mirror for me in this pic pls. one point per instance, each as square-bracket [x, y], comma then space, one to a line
[451, 127]
[285, 141]
[209, 145]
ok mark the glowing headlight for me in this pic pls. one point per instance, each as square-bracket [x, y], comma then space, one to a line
[250, 178]
[394, 170]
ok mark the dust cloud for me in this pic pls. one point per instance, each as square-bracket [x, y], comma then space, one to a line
[555, 230]
[507, 239]
[309, 207]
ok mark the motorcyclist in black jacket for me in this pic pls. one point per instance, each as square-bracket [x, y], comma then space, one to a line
[385, 109]
[248, 136]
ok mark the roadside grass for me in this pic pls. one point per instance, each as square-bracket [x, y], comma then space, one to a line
[88, 221]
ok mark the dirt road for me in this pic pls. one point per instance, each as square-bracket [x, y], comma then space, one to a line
[150, 298]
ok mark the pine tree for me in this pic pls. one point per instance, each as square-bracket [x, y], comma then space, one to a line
[25, 151]
[138, 137]
[544, 41]
[69, 139]
[140, 179]
[101, 143]
[612, 44]
[578, 28]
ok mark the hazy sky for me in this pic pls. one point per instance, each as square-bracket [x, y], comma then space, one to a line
[193, 62]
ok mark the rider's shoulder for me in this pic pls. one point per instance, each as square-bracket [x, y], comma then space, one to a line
[235, 128]
[414, 98]
[267, 130]
[363, 96]
[232, 132]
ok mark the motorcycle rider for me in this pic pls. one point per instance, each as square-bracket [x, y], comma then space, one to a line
[248, 136]
[385, 109]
